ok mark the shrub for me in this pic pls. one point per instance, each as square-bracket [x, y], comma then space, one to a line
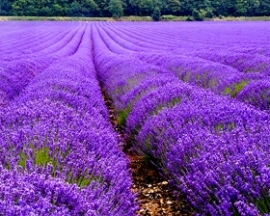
[197, 15]
[189, 18]
[167, 17]
[116, 8]
[156, 14]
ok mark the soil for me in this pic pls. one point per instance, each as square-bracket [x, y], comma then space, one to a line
[154, 194]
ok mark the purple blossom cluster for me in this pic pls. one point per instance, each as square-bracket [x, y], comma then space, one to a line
[257, 93]
[193, 97]
[212, 59]
[213, 148]
[40, 194]
[31, 54]
[59, 154]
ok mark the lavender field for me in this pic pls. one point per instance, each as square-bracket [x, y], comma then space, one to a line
[194, 98]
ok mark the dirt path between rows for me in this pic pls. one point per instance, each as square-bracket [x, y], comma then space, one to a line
[154, 193]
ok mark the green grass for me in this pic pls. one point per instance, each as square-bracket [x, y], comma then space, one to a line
[122, 116]
[263, 204]
[22, 160]
[129, 18]
[41, 157]
[243, 18]
[168, 104]
[173, 18]
[53, 18]
[221, 126]
[56, 18]
[236, 88]
[136, 18]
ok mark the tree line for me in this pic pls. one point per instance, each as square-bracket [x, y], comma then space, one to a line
[198, 9]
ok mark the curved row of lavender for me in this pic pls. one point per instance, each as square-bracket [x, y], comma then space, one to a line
[58, 152]
[24, 58]
[231, 59]
[213, 148]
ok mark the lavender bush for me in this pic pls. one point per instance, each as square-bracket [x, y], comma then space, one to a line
[213, 148]
[57, 139]
[193, 97]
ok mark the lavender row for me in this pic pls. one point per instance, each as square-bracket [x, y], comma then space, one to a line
[31, 38]
[227, 73]
[250, 59]
[198, 140]
[214, 149]
[251, 88]
[59, 154]
[187, 38]
[16, 74]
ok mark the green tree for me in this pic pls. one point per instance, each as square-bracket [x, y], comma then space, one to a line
[134, 4]
[145, 7]
[75, 9]
[5, 7]
[116, 8]
[89, 8]
[198, 8]
[197, 15]
[83, 8]
[31, 10]
[174, 6]
[225, 8]
[19, 7]
[241, 7]
[263, 8]
[58, 10]
[156, 15]
[187, 6]
[253, 5]
[44, 11]
[103, 7]
[208, 10]
[64, 4]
